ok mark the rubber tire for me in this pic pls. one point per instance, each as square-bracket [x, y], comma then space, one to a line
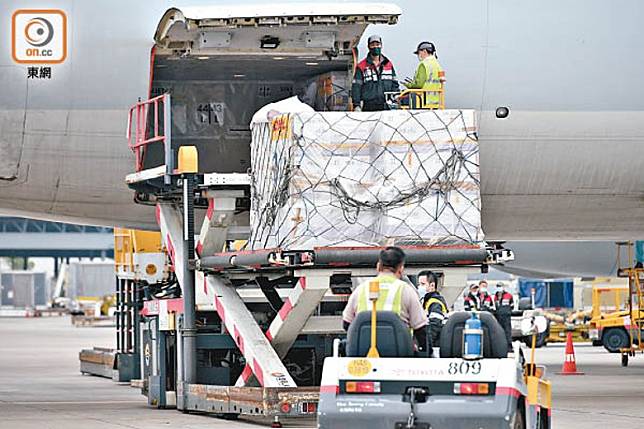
[518, 421]
[229, 416]
[614, 339]
[542, 338]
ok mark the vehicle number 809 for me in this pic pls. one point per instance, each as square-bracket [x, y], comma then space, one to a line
[464, 368]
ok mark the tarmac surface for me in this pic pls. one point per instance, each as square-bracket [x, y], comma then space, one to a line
[42, 388]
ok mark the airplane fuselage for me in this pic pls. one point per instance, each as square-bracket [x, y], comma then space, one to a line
[564, 164]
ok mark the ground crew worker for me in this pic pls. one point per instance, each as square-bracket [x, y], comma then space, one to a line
[395, 295]
[429, 75]
[485, 299]
[504, 305]
[373, 76]
[472, 301]
[434, 304]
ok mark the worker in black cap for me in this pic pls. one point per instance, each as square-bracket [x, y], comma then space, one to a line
[429, 76]
[373, 76]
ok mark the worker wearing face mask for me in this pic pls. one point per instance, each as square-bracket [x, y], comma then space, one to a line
[504, 305]
[373, 76]
[486, 300]
[433, 303]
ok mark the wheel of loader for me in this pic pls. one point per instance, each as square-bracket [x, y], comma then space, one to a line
[542, 340]
[624, 359]
[615, 339]
[518, 419]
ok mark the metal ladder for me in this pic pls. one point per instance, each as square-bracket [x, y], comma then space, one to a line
[636, 298]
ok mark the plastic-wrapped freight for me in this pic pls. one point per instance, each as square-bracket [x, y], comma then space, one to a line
[365, 179]
[327, 91]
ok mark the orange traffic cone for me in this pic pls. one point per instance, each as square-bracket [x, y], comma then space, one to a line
[570, 364]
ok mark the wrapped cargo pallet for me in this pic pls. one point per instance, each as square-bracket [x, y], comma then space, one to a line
[396, 177]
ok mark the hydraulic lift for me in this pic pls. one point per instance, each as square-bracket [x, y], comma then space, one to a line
[249, 331]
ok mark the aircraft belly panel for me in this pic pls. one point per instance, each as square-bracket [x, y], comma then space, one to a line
[73, 169]
[12, 122]
[562, 175]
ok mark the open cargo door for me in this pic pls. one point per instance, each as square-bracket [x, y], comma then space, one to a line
[288, 29]
[222, 64]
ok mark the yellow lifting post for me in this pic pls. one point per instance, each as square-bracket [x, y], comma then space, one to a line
[374, 292]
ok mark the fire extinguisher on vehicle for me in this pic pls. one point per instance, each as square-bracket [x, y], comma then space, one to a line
[473, 338]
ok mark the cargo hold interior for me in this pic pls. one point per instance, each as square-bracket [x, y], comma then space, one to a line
[214, 97]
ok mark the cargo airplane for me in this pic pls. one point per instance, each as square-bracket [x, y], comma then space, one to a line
[557, 87]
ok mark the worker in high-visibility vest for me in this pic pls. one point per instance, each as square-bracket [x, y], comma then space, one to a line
[429, 75]
[395, 295]
[434, 304]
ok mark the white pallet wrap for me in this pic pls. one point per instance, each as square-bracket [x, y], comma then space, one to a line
[396, 177]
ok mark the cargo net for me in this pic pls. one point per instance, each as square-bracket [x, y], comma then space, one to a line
[365, 179]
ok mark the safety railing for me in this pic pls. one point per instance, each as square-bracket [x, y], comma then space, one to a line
[635, 275]
[149, 129]
[422, 99]
[416, 99]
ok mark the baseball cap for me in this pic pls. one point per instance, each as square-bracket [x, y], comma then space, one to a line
[374, 38]
[429, 46]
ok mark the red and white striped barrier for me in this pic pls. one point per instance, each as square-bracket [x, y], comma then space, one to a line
[262, 360]
[214, 230]
[291, 318]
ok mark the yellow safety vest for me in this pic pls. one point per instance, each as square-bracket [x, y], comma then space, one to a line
[434, 72]
[389, 298]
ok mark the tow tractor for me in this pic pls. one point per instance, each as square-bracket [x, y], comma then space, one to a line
[379, 381]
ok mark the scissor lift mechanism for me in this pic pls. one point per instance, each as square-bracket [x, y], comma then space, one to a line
[200, 263]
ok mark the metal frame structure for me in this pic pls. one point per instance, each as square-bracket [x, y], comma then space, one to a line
[635, 318]
[211, 278]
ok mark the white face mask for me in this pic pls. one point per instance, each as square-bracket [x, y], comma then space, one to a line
[422, 290]
[483, 290]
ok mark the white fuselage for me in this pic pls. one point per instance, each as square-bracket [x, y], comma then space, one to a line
[565, 164]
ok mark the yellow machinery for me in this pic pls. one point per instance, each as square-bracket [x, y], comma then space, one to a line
[128, 243]
[621, 331]
[140, 265]
[606, 301]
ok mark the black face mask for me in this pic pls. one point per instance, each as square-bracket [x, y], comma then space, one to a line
[375, 52]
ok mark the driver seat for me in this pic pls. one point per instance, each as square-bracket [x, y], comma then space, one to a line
[393, 338]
